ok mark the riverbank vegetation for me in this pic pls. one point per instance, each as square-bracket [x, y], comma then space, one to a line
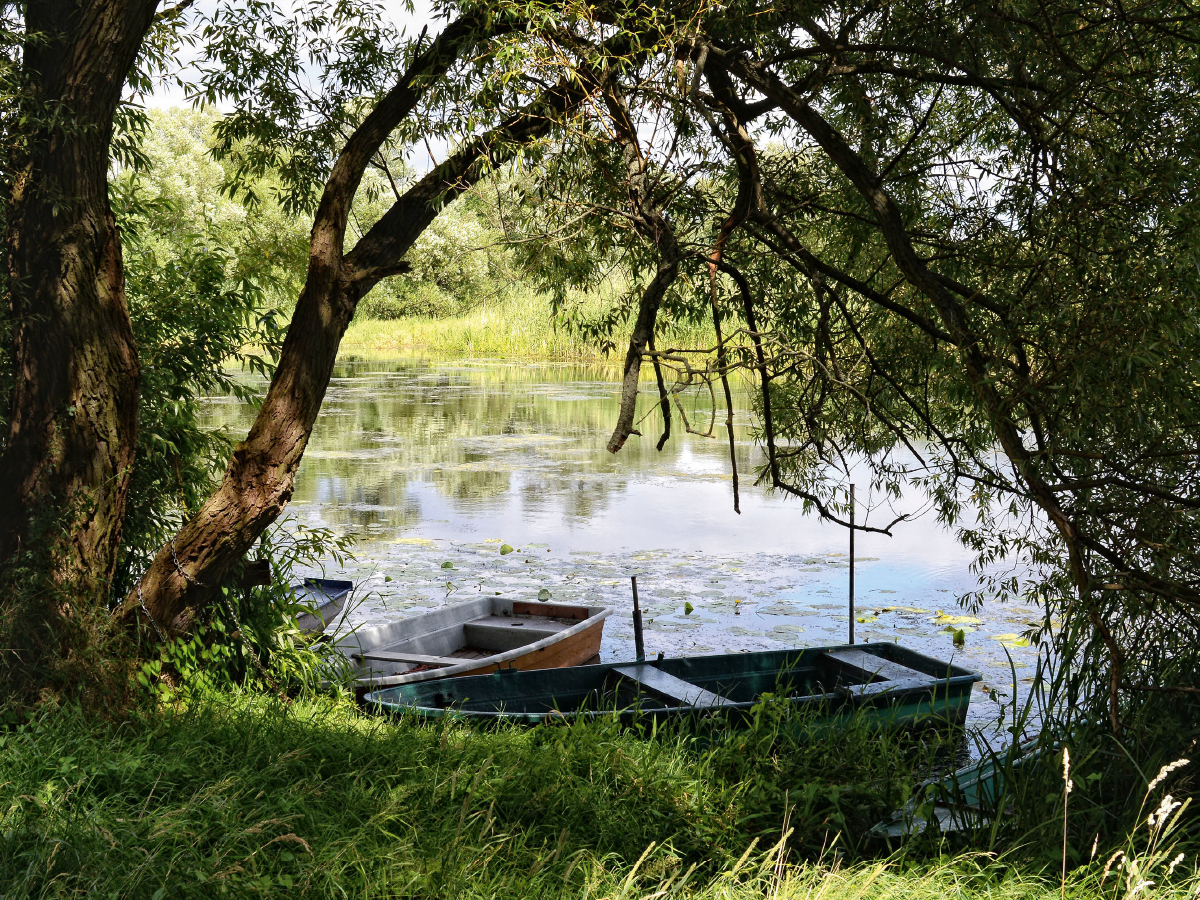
[242, 794]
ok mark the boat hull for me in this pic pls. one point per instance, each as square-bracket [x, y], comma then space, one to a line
[326, 597]
[807, 677]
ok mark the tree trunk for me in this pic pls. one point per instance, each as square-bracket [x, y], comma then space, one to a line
[261, 475]
[72, 421]
[646, 212]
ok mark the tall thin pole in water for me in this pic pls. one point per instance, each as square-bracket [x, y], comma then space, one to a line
[637, 623]
[852, 564]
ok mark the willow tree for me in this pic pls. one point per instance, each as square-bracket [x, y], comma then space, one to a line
[72, 367]
[961, 244]
[962, 231]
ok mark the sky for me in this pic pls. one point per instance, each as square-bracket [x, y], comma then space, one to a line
[396, 11]
[167, 96]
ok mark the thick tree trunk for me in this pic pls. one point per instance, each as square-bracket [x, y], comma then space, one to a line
[72, 418]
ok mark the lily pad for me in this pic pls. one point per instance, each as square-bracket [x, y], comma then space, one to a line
[543, 595]
[505, 549]
[1011, 640]
[668, 625]
[785, 609]
[746, 632]
[944, 619]
[905, 609]
[863, 620]
[447, 565]
[687, 609]
[788, 629]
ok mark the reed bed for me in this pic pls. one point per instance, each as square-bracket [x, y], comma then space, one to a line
[519, 326]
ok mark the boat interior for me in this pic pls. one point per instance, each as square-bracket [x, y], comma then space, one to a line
[484, 629]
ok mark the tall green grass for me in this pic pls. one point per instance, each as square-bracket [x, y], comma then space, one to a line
[238, 795]
[246, 796]
[519, 326]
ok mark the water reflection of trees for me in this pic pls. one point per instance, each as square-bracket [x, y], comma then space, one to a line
[478, 434]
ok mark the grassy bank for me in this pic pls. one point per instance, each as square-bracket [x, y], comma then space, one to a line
[241, 796]
[517, 327]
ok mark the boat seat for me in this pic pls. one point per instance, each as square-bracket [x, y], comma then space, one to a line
[671, 688]
[883, 687]
[417, 658]
[878, 675]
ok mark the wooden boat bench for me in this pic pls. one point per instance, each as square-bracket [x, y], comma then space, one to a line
[667, 686]
[878, 675]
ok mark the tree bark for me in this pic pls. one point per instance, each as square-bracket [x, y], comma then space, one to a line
[72, 419]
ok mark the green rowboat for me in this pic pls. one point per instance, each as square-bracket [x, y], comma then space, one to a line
[898, 685]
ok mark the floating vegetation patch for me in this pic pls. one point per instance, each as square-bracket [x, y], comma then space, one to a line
[786, 609]
[1011, 640]
[500, 443]
[788, 629]
[946, 619]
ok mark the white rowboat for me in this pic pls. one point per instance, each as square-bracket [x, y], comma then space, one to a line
[474, 638]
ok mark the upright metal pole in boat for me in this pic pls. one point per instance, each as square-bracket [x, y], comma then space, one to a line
[637, 623]
[851, 564]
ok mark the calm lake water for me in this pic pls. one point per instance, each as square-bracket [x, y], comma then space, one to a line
[433, 462]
